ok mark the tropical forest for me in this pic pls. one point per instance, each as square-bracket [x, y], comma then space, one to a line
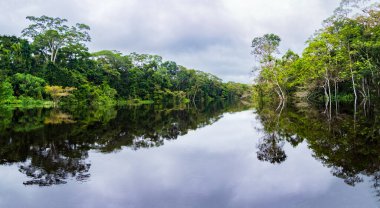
[50, 65]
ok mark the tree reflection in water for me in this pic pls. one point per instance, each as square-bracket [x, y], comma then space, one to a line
[346, 141]
[271, 149]
[51, 146]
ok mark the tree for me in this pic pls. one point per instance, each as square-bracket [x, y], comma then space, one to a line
[28, 85]
[15, 55]
[6, 92]
[51, 34]
[57, 92]
[264, 49]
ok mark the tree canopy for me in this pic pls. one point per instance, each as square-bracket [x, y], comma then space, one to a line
[50, 34]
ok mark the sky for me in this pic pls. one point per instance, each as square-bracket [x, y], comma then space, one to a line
[209, 35]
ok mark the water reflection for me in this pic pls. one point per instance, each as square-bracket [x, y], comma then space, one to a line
[271, 149]
[347, 140]
[51, 146]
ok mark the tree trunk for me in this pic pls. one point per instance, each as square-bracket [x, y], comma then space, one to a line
[326, 96]
[55, 55]
[282, 96]
[52, 56]
[335, 96]
[328, 85]
[352, 73]
[325, 90]
[278, 93]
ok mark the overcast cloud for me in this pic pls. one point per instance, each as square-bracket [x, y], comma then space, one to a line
[209, 35]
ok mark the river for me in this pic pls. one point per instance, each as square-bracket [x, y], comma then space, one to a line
[214, 156]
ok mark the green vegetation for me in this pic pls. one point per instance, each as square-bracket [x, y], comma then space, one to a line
[340, 63]
[53, 63]
[58, 92]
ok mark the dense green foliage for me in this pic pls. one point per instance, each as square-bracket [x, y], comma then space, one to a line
[341, 61]
[56, 55]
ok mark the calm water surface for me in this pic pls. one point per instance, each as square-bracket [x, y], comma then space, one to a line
[214, 156]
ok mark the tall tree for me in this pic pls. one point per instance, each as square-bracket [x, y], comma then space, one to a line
[264, 50]
[51, 34]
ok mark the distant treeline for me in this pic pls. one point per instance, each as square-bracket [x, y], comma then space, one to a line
[51, 62]
[341, 61]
